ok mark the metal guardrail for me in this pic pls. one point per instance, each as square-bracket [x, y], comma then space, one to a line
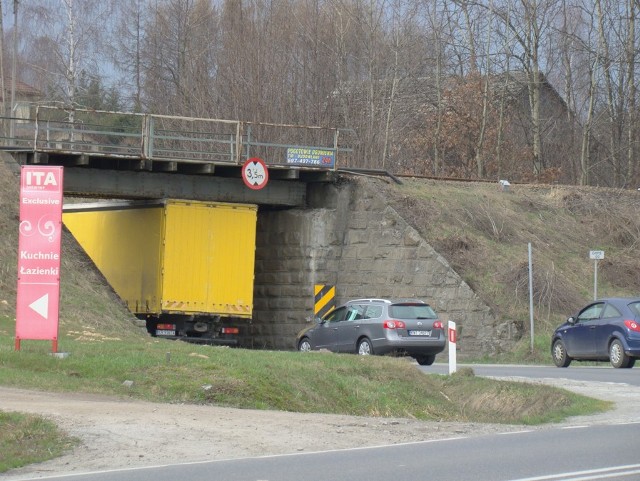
[170, 138]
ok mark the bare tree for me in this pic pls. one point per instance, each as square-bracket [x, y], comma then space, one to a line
[632, 124]
[579, 41]
[3, 107]
[617, 40]
[129, 34]
[179, 57]
[383, 68]
[61, 42]
[529, 22]
[485, 84]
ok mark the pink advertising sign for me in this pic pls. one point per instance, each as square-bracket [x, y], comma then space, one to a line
[39, 254]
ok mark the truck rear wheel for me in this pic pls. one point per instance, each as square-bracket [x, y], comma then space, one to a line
[151, 326]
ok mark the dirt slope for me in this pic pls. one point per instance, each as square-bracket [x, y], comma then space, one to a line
[87, 303]
[484, 232]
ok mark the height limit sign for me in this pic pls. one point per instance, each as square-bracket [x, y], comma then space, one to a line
[255, 174]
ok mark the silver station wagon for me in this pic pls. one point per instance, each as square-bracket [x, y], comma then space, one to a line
[378, 326]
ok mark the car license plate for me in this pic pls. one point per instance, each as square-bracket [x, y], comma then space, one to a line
[420, 333]
[165, 332]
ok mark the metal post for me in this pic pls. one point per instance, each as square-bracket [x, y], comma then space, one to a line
[531, 294]
[596, 256]
[249, 141]
[335, 148]
[595, 279]
[239, 134]
[150, 129]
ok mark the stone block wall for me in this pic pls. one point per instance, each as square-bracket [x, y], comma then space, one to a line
[350, 238]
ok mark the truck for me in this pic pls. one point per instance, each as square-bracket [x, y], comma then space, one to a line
[184, 267]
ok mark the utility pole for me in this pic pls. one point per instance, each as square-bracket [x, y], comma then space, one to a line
[3, 109]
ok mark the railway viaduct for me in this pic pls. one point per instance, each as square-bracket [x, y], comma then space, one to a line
[317, 223]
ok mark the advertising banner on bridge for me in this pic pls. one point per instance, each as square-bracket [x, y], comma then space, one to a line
[39, 241]
[311, 157]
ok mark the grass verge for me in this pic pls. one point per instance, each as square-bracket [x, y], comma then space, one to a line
[171, 371]
[27, 439]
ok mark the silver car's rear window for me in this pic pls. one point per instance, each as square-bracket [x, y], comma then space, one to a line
[412, 311]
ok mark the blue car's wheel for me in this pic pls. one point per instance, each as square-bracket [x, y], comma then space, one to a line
[617, 356]
[559, 354]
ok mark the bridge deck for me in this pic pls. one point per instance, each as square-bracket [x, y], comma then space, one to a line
[158, 143]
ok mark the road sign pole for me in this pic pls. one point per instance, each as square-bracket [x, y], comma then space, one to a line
[595, 279]
[595, 256]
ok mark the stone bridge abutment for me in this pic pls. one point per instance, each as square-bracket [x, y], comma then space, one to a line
[349, 237]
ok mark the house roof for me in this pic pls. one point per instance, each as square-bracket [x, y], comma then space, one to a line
[23, 90]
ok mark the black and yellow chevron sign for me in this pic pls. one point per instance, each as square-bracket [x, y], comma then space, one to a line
[325, 299]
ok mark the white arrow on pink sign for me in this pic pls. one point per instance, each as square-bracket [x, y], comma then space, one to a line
[41, 306]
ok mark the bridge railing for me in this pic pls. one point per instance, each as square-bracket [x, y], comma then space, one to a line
[190, 139]
[166, 138]
[85, 131]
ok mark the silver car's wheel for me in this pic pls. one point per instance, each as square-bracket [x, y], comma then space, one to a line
[304, 345]
[364, 347]
[426, 360]
[617, 357]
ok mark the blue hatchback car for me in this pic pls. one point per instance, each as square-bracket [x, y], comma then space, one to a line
[604, 330]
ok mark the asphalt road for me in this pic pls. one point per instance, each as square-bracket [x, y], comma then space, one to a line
[566, 453]
[601, 373]
[580, 453]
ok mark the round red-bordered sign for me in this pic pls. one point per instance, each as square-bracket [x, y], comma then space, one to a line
[255, 173]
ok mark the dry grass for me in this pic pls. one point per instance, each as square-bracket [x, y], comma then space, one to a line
[483, 233]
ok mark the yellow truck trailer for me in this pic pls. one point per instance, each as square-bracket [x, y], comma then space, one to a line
[185, 267]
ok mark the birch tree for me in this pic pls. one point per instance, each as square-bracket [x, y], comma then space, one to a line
[61, 41]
